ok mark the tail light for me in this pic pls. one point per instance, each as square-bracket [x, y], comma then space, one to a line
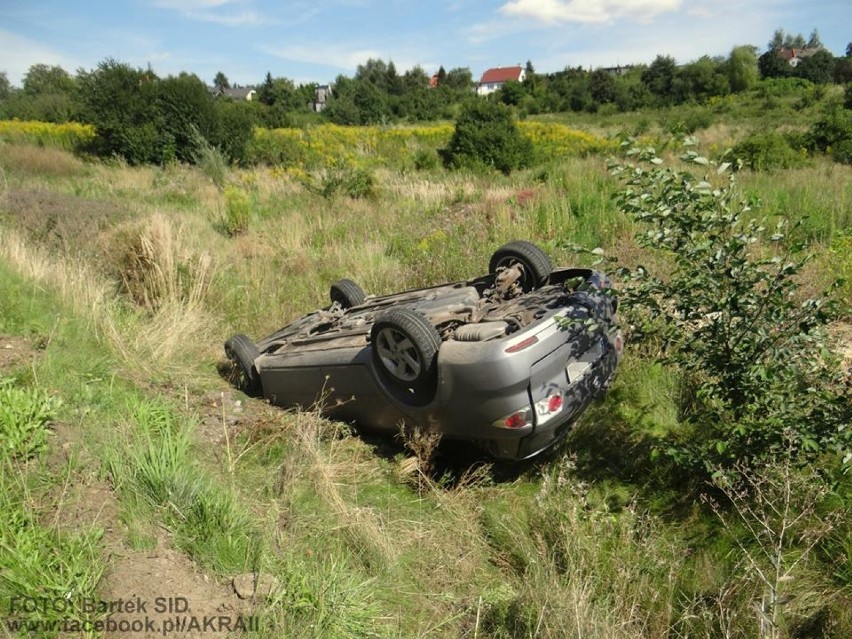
[548, 407]
[518, 419]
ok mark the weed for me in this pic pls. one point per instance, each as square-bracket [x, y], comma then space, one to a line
[238, 211]
[24, 418]
[210, 160]
[154, 270]
[774, 517]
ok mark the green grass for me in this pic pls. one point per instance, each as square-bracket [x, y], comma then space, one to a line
[41, 561]
[38, 558]
[597, 539]
[158, 467]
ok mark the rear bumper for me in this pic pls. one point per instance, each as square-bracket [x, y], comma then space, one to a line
[476, 390]
[576, 397]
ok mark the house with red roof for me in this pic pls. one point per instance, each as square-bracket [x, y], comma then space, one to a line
[494, 79]
[795, 56]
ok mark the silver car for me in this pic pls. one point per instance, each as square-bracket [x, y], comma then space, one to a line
[507, 360]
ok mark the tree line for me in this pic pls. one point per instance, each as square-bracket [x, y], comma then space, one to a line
[146, 118]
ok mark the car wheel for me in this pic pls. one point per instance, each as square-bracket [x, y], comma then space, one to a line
[242, 352]
[405, 351]
[534, 263]
[347, 293]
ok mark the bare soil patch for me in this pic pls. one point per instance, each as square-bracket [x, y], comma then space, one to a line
[15, 352]
[171, 590]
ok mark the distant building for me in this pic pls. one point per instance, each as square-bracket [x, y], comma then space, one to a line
[619, 70]
[321, 95]
[795, 56]
[494, 79]
[234, 93]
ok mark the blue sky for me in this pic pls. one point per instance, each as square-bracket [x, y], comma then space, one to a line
[316, 40]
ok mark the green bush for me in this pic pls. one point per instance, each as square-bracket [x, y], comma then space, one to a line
[341, 179]
[766, 151]
[145, 119]
[832, 134]
[486, 136]
[425, 160]
[750, 351]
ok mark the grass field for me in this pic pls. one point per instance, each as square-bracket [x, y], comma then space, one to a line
[118, 287]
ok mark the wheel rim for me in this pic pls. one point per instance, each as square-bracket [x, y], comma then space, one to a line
[398, 354]
[239, 375]
[527, 283]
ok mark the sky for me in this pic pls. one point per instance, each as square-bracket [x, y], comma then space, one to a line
[317, 40]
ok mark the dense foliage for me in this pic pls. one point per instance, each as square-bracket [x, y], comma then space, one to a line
[146, 119]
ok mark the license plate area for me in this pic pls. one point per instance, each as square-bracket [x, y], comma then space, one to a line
[580, 367]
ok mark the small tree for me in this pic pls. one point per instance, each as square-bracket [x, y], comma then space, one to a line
[729, 317]
[659, 77]
[742, 68]
[221, 81]
[486, 136]
[5, 86]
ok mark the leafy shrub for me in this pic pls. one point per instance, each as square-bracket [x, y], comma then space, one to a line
[486, 136]
[751, 354]
[832, 134]
[341, 179]
[354, 182]
[780, 87]
[425, 160]
[766, 151]
[24, 418]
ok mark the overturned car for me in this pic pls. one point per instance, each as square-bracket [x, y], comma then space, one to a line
[506, 360]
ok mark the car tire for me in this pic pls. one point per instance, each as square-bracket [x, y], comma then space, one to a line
[347, 293]
[405, 352]
[242, 352]
[533, 261]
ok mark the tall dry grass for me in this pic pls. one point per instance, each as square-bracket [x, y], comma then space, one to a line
[42, 162]
[166, 339]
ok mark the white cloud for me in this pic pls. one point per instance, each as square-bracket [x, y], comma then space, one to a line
[587, 11]
[243, 19]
